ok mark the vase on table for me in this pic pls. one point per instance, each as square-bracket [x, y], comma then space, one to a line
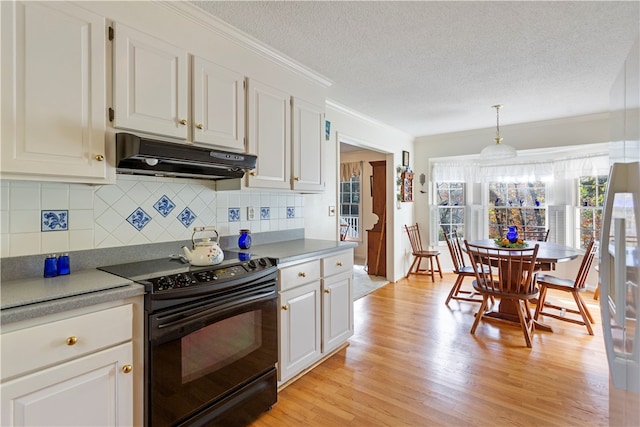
[512, 234]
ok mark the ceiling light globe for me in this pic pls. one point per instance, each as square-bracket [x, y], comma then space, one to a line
[498, 152]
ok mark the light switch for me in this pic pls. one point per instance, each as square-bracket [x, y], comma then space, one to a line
[332, 210]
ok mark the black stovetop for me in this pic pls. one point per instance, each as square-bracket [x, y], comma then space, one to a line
[144, 270]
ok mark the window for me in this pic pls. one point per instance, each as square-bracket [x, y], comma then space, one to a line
[516, 203]
[450, 201]
[350, 206]
[591, 191]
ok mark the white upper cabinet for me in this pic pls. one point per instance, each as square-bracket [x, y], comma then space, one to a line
[53, 93]
[218, 105]
[308, 146]
[286, 135]
[269, 135]
[153, 94]
[150, 84]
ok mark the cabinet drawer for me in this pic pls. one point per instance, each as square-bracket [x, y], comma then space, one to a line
[50, 343]
[299, 274]
[338, 263]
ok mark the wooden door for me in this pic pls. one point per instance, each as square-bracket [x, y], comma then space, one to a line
[376, 236]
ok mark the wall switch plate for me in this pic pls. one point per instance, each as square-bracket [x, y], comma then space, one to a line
[251, 213]
[332, 210]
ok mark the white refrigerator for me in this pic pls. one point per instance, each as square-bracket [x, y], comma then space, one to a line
[619, 272]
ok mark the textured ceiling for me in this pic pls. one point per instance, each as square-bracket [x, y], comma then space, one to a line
[428, 67]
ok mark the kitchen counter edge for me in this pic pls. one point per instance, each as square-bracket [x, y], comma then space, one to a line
[32, 298]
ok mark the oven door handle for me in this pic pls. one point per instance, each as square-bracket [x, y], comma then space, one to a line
[201, 312]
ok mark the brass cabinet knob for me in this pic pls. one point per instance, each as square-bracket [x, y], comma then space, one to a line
[71, 340]
[127, 369]
[99, 157]
[327, 291]
[297, 178]
[302, 274]
[183, 122]
[200, 126]
[339, 263]
[252, 173]
[285, 308]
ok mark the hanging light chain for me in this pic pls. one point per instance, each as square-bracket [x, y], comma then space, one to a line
[497, 138]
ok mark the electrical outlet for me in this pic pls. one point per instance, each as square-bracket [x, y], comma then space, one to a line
[251, 213]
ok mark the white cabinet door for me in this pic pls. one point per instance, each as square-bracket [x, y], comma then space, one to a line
[308, 146]
[299, 329]
[218, 105]
[269, 136]
[337, 310]
[53, 92]
[92, 390]
[150, 84]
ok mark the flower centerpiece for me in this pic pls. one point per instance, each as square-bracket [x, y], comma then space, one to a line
[503, 242]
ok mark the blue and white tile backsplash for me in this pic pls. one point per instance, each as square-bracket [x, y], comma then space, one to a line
[43, 217]
[265, 213]
[55, 220]
[234, 214]
[138, 219]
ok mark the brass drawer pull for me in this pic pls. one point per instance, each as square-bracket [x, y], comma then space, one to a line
[127, 369]
[71, 340]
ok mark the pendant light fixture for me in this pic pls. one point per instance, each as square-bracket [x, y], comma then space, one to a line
[498, 151]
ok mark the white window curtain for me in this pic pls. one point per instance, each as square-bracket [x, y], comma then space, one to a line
[348, 170]
[521, 171]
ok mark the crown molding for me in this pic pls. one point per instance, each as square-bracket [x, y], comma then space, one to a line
[221, 28]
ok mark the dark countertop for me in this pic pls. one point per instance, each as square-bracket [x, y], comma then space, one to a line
[35, 297]
[294, 250]
[22, 299]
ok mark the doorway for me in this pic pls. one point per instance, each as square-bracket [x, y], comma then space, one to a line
[359, 216]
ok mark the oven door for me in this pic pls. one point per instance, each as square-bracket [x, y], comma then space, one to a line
[205, 351]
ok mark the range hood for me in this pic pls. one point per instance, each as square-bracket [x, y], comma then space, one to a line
[142, 156]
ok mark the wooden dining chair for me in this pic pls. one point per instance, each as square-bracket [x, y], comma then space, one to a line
[536, 234]
[419, 253]
[460, 268]
[512, 277]
[572, 286]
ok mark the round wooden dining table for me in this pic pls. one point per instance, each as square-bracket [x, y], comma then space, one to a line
[548, 254]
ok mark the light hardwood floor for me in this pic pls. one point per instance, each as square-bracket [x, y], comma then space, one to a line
[413, 362]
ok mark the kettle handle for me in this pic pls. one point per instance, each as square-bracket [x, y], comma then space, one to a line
[200, 229]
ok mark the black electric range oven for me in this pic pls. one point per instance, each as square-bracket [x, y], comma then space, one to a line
[210, 339]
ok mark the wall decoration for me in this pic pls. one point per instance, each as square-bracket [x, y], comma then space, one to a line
[327, 129]
[405, 158]
[54, 220]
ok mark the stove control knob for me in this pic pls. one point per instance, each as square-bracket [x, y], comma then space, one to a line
[262, 262]
[252, 264]
[182, 280]
[164, 283]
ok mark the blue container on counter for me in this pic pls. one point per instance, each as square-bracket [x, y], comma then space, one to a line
[244, 241]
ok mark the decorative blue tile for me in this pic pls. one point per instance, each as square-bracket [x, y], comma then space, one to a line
[234, 214]
[265, 213]
[55, 220]
[291, 212]
[139, 219]
[186, 217]
[164, 206]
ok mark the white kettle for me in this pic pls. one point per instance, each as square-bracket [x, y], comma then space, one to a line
[205, 252]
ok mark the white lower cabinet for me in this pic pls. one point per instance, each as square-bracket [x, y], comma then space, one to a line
[92, 390]
[316, 311]
[337, 313]
[78, 370]
[299, 329]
